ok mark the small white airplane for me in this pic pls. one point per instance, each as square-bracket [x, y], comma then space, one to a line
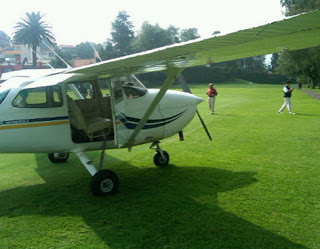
[104, 106]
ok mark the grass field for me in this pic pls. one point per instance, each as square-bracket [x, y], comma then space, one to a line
[255, 186]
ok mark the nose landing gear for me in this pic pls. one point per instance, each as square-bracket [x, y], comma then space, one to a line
[161, 157]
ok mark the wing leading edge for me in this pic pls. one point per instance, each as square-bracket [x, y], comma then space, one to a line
[298, 32]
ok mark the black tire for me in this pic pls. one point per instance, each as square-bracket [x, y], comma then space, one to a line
[104, 182]
[58, 157]
[161, 161]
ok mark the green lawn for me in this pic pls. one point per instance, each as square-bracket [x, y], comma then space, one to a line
[256, 185]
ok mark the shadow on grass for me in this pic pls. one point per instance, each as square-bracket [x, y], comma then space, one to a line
[225, 114]
[308, 115]
[174, 207]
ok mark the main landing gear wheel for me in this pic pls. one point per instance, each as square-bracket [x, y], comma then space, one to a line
[58, 157]
[104, 182]
[161, 160]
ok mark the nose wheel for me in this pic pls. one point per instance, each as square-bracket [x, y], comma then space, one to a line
[161, 157]
[161, 160]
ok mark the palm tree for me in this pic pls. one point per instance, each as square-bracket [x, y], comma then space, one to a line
[4, 39]
[31, 31]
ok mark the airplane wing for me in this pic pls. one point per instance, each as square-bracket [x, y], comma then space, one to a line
[298, 32]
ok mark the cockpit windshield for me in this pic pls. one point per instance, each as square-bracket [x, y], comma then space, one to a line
[3, 93]
[131, 86]
[132, 81]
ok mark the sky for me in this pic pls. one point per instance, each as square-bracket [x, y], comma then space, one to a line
[74, 22]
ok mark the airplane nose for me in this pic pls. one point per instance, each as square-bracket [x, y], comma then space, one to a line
[179, 108]
[192, 99]
[197, 99]
[177, 99]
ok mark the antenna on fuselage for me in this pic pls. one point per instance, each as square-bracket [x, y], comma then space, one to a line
[96, 52]
[68, 66]
[42, 59]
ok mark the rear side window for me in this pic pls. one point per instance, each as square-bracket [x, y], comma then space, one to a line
[3, 94]
[42, 97]
[83, 90]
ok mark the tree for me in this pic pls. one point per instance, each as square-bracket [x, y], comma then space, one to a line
[174, 33]
[84, 50]
[274, 61]
[4, 39]
[303, 63]
[259, 63]
[255, 63]
[57, 62]
[122, 34]
[152, 36]
[31, 31]
[107, 51]
[294, 7]
[216, 32]
[189, 34]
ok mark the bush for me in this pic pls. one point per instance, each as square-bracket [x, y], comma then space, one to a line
[262, 77]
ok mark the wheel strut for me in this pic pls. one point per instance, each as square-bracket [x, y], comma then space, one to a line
[103, 181]
[155, 146]
[161, 157]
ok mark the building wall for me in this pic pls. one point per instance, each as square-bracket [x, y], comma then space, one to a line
[83, 62]
[16, 54]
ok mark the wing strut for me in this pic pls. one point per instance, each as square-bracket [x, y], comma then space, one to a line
[172, 74]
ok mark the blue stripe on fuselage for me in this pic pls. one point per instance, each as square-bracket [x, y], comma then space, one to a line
[131, 122]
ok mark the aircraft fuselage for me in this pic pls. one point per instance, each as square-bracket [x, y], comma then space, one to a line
[44, 124]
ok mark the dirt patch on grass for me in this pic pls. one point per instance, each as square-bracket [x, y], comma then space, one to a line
[313, 94]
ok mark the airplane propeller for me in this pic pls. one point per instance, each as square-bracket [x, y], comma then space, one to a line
[186, 88]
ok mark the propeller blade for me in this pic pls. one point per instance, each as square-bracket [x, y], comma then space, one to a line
[186, 88]
[204, 126]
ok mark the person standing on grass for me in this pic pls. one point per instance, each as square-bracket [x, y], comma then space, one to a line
[287, 92]
[212, 93]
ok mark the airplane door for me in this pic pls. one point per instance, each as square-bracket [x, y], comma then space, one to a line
[121, 133]
[131, 99]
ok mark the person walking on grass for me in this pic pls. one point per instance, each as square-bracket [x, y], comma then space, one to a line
[212, 93]
[287, 92]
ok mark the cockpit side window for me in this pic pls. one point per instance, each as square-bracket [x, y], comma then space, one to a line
[117, 91]
[3, 94]
[104, 86]
[42, 97]
[132, 88]
[80, 90]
